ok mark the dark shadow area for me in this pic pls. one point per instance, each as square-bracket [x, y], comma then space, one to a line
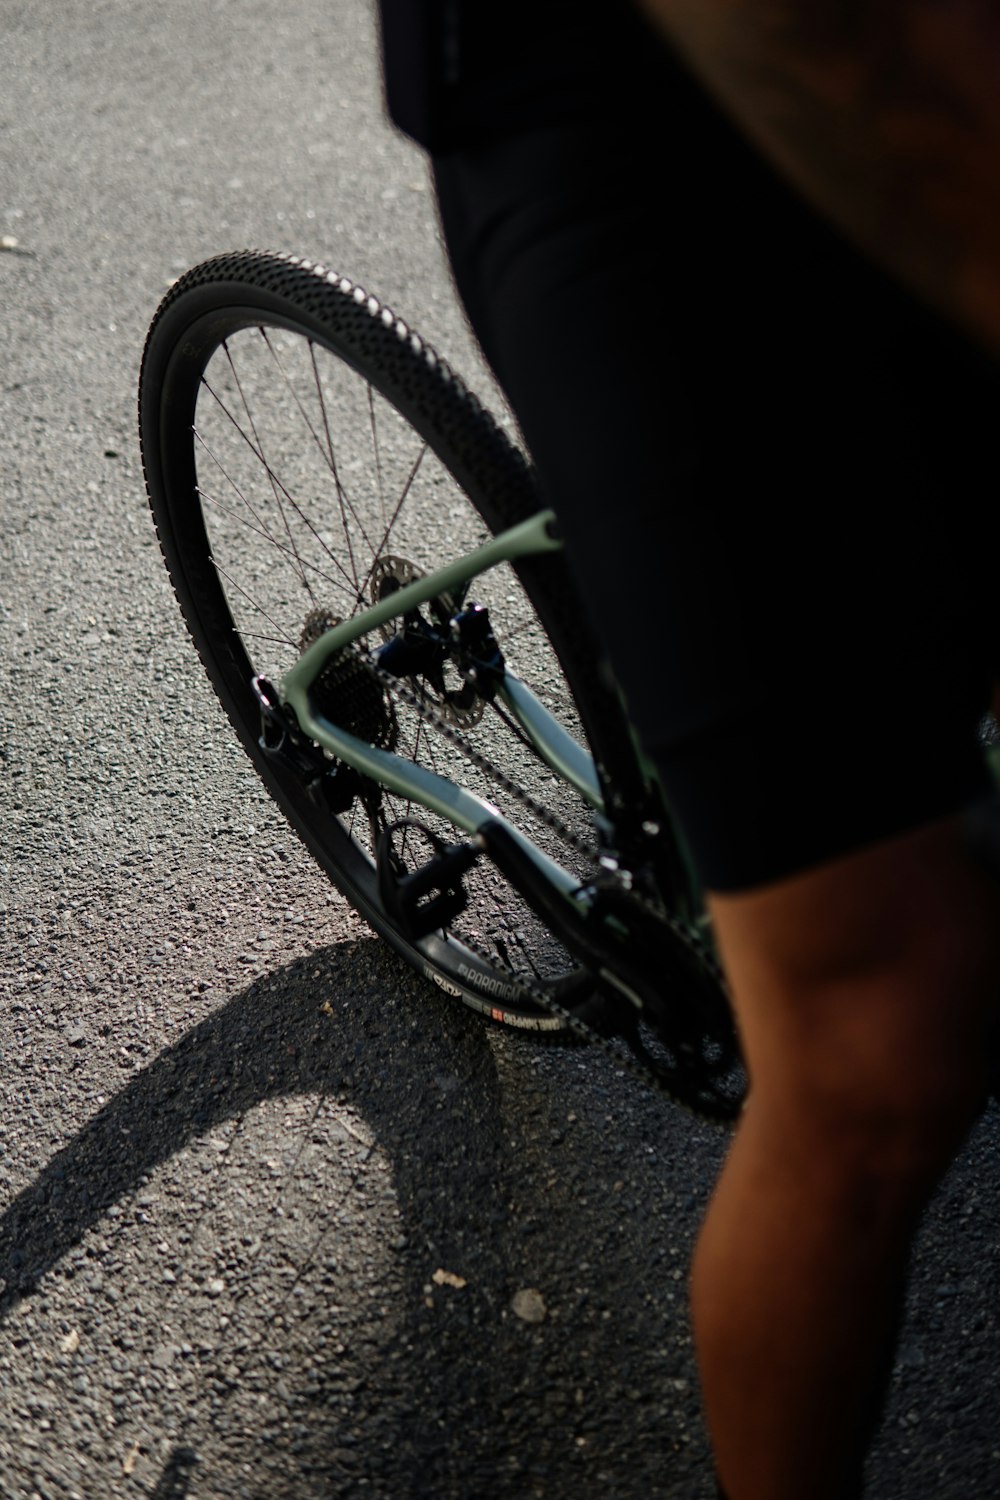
[385, 1050]
[175, 1481]
[467, 1399]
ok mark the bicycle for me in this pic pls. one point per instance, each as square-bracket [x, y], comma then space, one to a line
[359, 615]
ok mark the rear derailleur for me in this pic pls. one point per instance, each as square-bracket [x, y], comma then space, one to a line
[333, 786]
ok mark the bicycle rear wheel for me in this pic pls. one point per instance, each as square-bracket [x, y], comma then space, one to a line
[304, 453]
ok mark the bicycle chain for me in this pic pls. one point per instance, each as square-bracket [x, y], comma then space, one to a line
[622, 1057]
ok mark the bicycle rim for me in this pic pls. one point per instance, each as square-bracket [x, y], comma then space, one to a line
[305, 453]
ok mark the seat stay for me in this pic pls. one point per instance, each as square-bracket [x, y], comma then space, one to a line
[528, 538]
[556, 746]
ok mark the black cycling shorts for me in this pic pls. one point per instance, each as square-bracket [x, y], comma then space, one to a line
[774, 470]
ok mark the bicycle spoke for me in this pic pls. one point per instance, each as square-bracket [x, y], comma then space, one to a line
[254, 604]
[260, 450]
[266, 530]
[377, 453]
[327, 453]
[261, 523]
[279, 546]
[279, 490]
[395, 515]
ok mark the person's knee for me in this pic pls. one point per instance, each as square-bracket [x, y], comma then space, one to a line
[899, 1124]
[879, 1094]
[865, 991]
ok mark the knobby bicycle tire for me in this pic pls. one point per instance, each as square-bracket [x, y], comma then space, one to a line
[243, 321]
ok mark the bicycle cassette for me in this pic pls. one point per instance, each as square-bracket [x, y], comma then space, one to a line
[346, 692]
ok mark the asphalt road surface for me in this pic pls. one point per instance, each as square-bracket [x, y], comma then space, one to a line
[238, 1139]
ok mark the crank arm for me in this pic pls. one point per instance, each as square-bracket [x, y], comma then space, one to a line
[572, 920]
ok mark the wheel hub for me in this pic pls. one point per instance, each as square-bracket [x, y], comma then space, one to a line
[438, 677]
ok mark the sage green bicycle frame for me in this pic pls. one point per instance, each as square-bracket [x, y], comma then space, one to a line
[405, 778]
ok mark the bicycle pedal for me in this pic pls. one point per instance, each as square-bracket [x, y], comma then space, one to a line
[425, 899]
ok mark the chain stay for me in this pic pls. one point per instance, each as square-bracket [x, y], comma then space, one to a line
[713, 1108]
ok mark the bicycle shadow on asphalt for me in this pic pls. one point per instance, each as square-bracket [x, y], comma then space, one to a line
[420, 1070]
[387, 1032]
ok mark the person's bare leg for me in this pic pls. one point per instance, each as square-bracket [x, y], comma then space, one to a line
[863, 991]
